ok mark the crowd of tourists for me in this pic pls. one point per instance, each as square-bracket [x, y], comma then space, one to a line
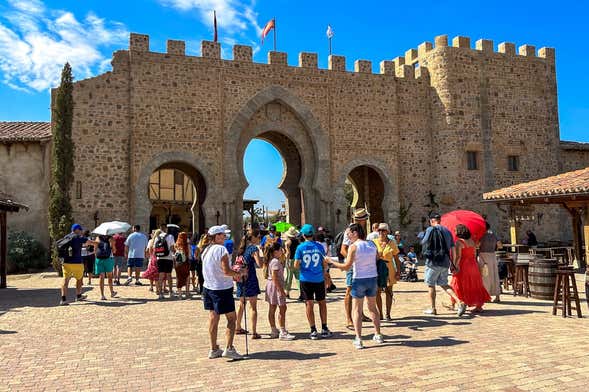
[209, 265]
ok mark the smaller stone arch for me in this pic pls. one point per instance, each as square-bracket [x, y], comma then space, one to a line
[389, 177]
[189, 164]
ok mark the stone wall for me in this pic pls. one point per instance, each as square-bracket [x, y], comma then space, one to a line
[412, 123]
[25, 176]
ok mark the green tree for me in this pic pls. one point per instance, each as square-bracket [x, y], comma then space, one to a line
[62, 161]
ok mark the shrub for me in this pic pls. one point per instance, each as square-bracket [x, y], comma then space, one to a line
[25, 253]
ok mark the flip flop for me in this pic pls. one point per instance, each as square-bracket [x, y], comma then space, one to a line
[256, 336]
[241, 331]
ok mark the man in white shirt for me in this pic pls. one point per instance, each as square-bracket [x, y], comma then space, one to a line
[217, 295]
[165, 260]
[374, 234]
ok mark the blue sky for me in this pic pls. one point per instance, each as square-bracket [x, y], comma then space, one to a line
[37, 37]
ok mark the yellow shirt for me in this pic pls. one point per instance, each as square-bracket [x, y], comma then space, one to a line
[387, 253]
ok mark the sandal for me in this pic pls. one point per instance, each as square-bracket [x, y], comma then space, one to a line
[241, 331]
[350, 327]
[256, 336]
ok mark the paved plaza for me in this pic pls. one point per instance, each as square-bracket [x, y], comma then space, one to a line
[137, 343]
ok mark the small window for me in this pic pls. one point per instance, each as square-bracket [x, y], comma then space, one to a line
[472, 160]
[78, 189]
[513, 163]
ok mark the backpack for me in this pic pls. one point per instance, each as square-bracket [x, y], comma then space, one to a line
[338, 242]
[64, 246]
[180, 257]
[161, 247]
[436, 248]
[103, 250]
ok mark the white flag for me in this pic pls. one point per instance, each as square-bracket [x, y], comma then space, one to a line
[329, 32]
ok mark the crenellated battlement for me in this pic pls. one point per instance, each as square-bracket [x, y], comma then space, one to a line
[486, 46]
[244, 54]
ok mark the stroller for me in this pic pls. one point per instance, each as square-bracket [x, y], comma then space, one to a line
[408, 268]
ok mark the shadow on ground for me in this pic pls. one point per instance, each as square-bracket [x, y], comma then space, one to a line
[288, 355]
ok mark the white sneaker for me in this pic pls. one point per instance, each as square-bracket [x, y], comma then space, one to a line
[215, 353]
[286, 336]
[358, 343]
[231, 353]
[378, 338]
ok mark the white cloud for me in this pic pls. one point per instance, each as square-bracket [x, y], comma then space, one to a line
[36, 42]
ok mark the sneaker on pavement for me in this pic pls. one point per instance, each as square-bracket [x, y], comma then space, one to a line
[378, 338]
[138, 283]
[430, 311]
[231, 353]
[113, 294]
[461, 309]
[81, 298]
[314, 335]
[103, 298]
[358, 343]
[326, 333]
[215, 353]
[128, 281]
[117, 282]
[62, 302]
[286, 336]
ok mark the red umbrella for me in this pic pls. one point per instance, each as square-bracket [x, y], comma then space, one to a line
[472, 220]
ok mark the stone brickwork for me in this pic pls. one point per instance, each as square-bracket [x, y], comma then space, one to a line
[412, 124]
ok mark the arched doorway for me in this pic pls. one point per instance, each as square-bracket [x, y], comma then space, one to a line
[368, 192]
[279, 117]
[176, 193]
[182, 170]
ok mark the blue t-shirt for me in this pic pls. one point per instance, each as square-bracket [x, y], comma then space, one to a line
[76, 244]
[229, 246]
[137, 243]
[311, 255]
[449, 243]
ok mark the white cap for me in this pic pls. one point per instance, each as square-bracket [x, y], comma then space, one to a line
[226, 228]
[217, 230]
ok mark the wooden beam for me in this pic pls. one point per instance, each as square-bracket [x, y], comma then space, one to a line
[577, 234]
[512, 228]
[3, 249]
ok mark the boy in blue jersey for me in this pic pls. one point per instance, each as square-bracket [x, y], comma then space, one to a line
[311, 262]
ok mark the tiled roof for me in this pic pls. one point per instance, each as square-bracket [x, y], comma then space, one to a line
[24, 131]
[8, 204]
[574, 182]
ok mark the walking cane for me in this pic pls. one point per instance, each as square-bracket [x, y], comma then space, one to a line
[244, 314]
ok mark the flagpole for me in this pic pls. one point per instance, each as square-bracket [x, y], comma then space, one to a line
[275, 34]
[329, 39]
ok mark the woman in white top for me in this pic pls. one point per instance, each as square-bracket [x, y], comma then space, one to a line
[362, 256]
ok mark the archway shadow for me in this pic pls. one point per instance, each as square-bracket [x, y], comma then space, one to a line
[2, 332]
[288, 355]
[13, 298]
[417, 323]
[442, 341]
[509, 312]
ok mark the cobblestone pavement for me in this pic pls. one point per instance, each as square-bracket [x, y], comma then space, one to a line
[135, 342]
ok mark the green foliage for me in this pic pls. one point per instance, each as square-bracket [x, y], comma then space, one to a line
[25, 253]
[62, 166]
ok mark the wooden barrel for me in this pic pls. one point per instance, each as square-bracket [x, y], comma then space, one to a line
[542, 278]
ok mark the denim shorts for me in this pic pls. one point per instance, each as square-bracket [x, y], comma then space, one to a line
[135, 262]
[119, 260]
[436, 275]
[349, 274]
[364, 287]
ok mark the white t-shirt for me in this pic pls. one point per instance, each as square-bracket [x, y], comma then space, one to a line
[215, 278]
[365, 260]
[347, 240]
[170, 241]
[372, 236]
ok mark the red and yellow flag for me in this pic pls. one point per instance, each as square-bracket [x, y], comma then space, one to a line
[269, 26]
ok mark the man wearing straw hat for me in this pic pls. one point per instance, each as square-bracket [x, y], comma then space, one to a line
[361, 217]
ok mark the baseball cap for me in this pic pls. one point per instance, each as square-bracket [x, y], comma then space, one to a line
[214, 230]
[76, 226]
[307, 230]
[226, 228]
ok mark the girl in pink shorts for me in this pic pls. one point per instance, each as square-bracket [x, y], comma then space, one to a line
[275, 294]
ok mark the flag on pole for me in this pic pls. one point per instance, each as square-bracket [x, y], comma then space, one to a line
[329, 32]
[269, 26]
[215, 25]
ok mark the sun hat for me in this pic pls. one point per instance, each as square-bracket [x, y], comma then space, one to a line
[361, 214]
[397, 232]
[216, 230]
[76, 226]
[292, 232]
[307, 230]
[383, 226]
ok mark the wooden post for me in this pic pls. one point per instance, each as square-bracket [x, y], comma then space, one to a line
[512, 228]
[583, 263]
[3, 249]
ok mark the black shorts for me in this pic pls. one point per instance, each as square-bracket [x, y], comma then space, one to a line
[312, 290]
[165, 266]
[88, 264]
[193, 265]
[220, 301]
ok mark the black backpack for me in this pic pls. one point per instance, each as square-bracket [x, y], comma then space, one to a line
[337, 243]
[161, 247]
[436, 248]
[64, 246]
[103, 250]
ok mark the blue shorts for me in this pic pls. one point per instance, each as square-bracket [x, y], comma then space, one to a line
[135, 262]
[219, 301]
[436, 275]
[349, 274]
[364, 287]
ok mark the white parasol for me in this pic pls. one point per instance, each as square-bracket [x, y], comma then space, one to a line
[110, 228]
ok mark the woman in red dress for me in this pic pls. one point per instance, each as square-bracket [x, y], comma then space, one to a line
[467, 283]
